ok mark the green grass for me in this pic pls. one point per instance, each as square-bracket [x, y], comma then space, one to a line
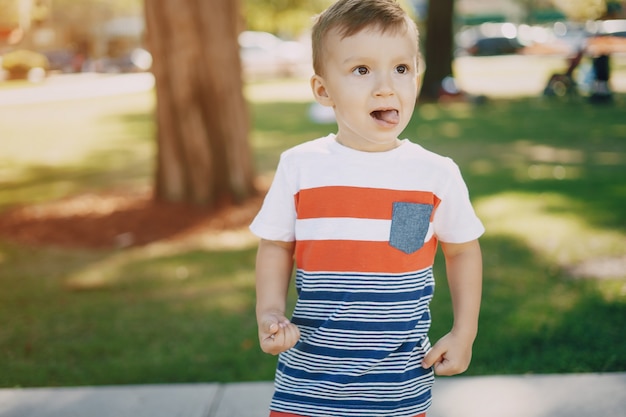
[54, 149]
[547, 177]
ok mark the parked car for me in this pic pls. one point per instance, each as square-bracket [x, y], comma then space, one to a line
[61, 60]
[136, 60]
[615, 27]
[489, 39]
[266, 55]
[499, 45]
[25, 64]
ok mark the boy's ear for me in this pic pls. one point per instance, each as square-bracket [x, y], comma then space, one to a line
[420, 80]
[320, 92]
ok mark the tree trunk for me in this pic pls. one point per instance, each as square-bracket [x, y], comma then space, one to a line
[438, 47]
[203, 153]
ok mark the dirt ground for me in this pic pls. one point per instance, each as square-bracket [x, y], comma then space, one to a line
[116, 220]
[124, 219]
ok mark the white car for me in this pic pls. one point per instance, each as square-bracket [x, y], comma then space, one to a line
[266, 55]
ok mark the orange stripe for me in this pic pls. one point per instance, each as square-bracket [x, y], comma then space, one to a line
[359, 256]
[356, 202]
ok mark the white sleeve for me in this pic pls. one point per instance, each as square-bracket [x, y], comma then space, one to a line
[277, 218]
[455, 220]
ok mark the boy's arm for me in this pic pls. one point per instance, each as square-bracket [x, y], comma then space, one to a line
[452, 353]
[274, 265]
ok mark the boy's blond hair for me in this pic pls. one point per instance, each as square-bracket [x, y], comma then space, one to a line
[349, 17]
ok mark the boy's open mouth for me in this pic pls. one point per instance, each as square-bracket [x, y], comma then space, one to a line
[391, 116]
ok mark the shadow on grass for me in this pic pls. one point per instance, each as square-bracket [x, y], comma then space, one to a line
[157, 317]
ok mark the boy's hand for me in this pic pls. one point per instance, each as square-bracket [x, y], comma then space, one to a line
[451, 355]
[277, 334]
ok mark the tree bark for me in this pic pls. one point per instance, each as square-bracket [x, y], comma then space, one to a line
[438, 47]
[203, 154]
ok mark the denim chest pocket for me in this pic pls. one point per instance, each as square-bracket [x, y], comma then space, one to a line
[409, 225]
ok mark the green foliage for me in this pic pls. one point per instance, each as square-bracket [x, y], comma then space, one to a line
[545, 176]
[118, 7]
[288, 18]
[582, 10]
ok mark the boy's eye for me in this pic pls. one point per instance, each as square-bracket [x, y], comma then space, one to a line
[402, 69]
[360, 71]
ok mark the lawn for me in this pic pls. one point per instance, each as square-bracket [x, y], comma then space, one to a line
[546, 177]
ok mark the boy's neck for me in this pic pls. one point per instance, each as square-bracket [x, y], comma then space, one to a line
[373, 148]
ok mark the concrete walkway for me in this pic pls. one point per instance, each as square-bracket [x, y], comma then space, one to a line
[576, 395]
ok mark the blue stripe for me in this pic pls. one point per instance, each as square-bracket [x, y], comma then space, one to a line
[357, 405]
[378, 326]
[355, 353]
[379, 386]
[363, 337]
[366, 296]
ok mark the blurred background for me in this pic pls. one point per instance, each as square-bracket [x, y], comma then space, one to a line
[44, 38]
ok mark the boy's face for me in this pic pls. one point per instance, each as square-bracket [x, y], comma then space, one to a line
[371, 81]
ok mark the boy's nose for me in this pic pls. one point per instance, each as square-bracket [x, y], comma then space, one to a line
[383, 86]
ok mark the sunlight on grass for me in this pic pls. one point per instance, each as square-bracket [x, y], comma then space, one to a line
[549, 225]
[458, 111]
[533, 153]
[68, 133]
[610, 158]
[450, 130]
[178, 275]
[74, 145]
[530, 161]
[224, 290]
[110, 272]
[551, 154]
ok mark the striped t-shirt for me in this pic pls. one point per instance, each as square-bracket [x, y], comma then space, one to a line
[366, 227]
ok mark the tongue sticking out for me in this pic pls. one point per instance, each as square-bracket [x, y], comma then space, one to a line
[389, 116]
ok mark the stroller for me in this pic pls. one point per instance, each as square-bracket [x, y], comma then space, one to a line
[561, 85]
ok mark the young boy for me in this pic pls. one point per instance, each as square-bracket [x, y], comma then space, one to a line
[362, 212]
